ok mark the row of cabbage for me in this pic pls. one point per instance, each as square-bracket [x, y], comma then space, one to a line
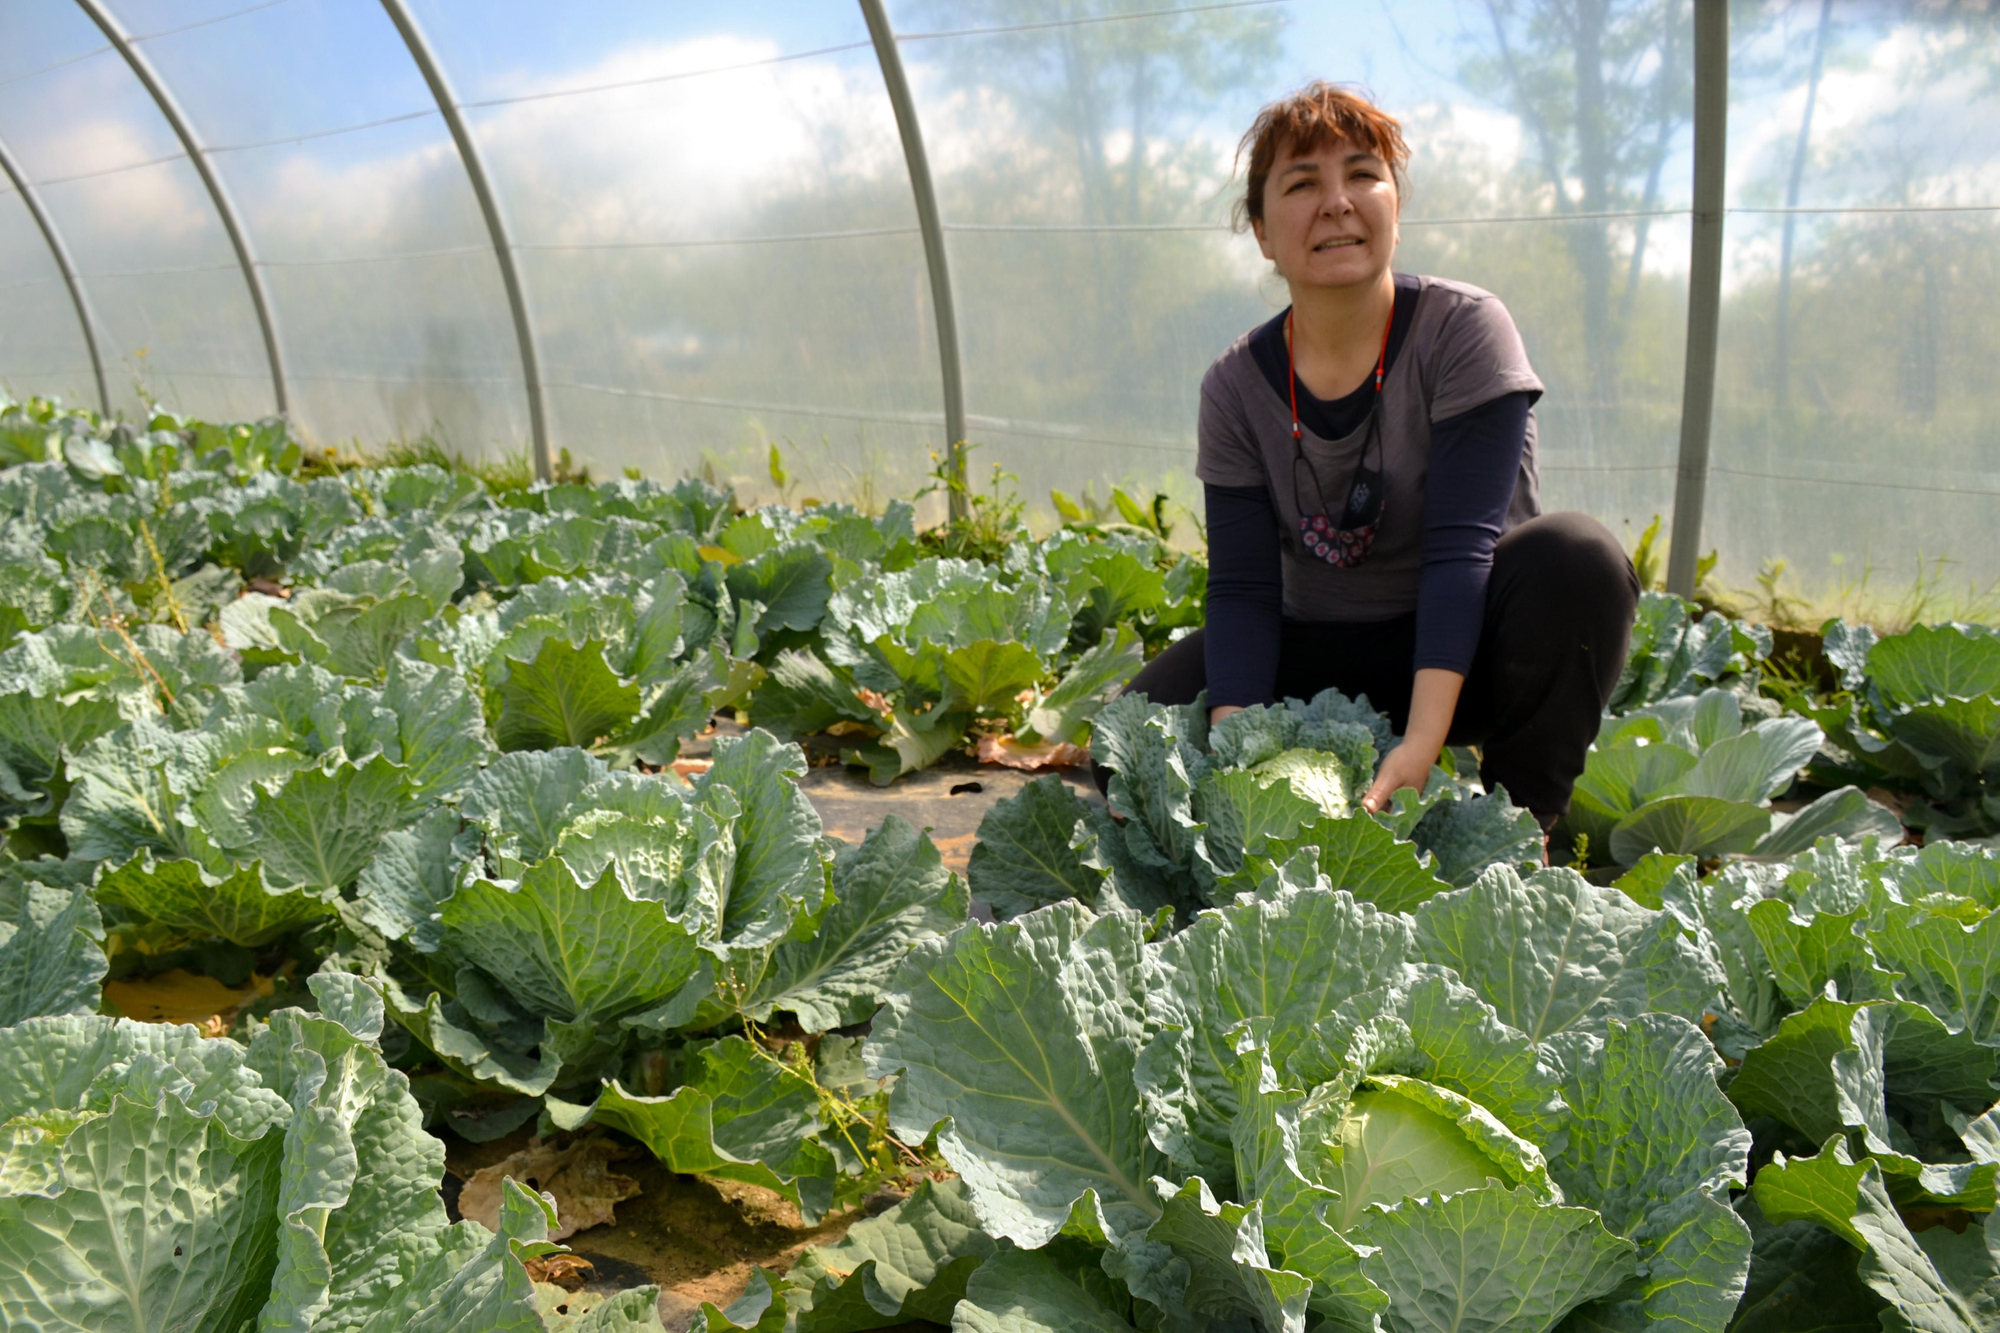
[614, 617]
[1757, 1099]
[254, 722]
[1244, 1057]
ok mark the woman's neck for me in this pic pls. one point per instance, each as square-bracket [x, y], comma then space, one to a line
[1337, 323]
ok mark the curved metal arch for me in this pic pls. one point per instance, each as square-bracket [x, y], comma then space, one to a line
[931, 224]
[496, 226]
[71, 279]
[218, 194]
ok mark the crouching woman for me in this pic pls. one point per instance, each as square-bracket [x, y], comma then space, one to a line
[1373, 519]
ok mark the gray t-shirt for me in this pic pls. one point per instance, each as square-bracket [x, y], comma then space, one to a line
[1462, 350]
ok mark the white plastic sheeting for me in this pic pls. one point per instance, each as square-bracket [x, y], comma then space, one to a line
[713, 221]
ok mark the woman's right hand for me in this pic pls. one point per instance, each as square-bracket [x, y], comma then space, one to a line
[1221, 711]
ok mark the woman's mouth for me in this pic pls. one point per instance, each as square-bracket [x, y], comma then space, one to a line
[1337, 243]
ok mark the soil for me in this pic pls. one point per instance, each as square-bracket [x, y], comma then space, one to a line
[697, 1239]
[949, 798]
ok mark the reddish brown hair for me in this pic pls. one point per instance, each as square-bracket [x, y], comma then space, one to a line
[1318, 114]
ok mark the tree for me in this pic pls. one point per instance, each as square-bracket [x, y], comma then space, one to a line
[1602, 87]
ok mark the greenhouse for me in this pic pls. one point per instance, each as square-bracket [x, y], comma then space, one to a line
[672, 667]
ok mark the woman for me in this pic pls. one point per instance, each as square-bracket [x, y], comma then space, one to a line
[1369, 464]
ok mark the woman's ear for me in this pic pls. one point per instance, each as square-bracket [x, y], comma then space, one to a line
[1263, 241]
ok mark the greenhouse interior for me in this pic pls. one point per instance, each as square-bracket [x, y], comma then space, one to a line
[660, 668]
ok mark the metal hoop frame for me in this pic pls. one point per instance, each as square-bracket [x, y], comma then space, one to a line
[218, 193]
[496, 226]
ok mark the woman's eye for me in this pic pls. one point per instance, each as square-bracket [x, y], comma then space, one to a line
[1295, 187]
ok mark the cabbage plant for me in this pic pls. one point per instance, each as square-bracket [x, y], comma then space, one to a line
[1921, 713]
[1691, 775]
[1199, 814]
[1675, 651]
[567, 916]
[1304, 1110]
[151, 1179]
[913, 658]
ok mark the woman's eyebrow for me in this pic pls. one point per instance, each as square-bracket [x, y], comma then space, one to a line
[1303, 164]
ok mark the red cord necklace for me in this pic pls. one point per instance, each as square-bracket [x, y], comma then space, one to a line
[1292, 375]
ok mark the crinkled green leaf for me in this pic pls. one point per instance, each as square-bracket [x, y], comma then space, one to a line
[1026, 854]
[322, 827]
[1949, 968]
[1229, 1273]
[1802, 1280]
[524, 801]
[1024, 1036]
[741, 1117]
[1655, 1148]
[1937, 1281]
[441, 737]
[568, 950]
[130, 791]
[1830, 1068]
[358, 1184]
[1358, 855]
[52, 962]
[1467, 835]
[567, 695]
[1242, 810]
[162, 1221]
[777, 881]
[792, 582]
[1935, 661]
[1552, 952]
[1028, 1291]
[888, 893]
[803, 695]
[464, 1284]
[239, 906]
[1430, 1025]
[1490, 1259]
[1291, 959]
[984, 676]
[1803, 956]
[909, 1262]
[1063, 713]
[402, 890]
[1156, 758]
[468, 1048]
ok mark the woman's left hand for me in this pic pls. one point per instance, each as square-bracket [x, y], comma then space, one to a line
[1406, 766]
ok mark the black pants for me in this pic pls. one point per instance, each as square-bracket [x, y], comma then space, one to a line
[1559, 610]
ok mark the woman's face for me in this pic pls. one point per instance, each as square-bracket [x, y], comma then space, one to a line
[1329, 216]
